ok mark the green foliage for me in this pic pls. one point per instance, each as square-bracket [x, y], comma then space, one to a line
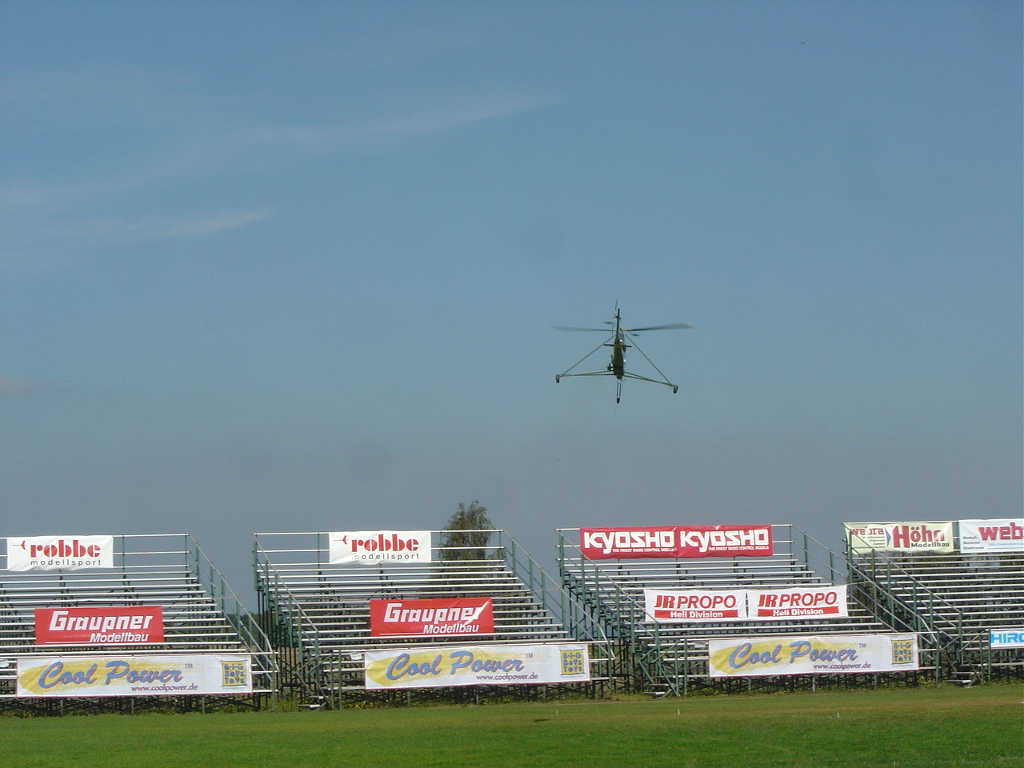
[467, 528]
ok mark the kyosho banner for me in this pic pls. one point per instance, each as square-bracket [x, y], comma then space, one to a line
[676, 541]
[99, 626]
[131, 675]
[810, 654]
[433, 616]
[373, 547]
[50, 553]
[616, 543]
[797, 603]
[695, 606]
[900, 537]
[477, 665]
[1004, 534]
[724, 541]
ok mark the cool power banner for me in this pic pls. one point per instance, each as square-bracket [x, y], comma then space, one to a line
[477, 665]
[130, 675]
[808, 654]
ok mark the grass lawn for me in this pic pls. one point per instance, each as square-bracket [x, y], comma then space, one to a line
[931, 727]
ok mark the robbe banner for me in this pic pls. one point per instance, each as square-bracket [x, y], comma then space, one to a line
[900, 537]
[695, 605]
[432, 616]
[373, 547]
[1004, 534]
[130, 675]
[50, 553]
[135, 625]
[808, 654]
[687, 541]
[477, 665]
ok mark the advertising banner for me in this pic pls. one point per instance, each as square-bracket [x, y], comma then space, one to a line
[696, 605]
[373, 547]
[676, 541]
[808, 654]
[1006, 638]
[797, 603]
[616, 543]
[134, 625]
[50, 553]
[435, 616]
[900, 537]
[1005, 534]
[477, 665]
[724, 541]
[131, 675]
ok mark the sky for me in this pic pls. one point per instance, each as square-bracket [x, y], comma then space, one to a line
[293, 268]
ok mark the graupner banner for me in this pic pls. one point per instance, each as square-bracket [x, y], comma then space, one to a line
[432, 616]
[810, 654]
[900, 537]
[1005, 534]
[134, 625]
[686, 541]
[477, 665]
[131, 675]
[50, 553]
[373, 547]
[722, 605]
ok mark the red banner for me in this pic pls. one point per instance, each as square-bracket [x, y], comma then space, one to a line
[615, 543]
[676, 541]
[135, 625]
[429, 617]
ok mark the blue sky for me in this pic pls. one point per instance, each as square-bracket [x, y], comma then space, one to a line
[268, 268]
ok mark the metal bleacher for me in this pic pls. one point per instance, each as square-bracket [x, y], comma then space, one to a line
[166, 570]
[673, 658]
[963, 597]
[318, 617]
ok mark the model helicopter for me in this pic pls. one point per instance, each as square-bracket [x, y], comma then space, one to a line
[620, 340]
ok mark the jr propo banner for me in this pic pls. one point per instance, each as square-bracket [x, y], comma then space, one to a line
[131, 675]
[996, 535]
[432, 616]
[477, 665]
[372, 547]
[50, 553]
[900, 537]
[133, 625]
[695, 606]
[808, 654]
[676, 541]
[797, 603]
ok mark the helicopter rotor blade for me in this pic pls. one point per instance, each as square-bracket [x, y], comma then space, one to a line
[670, 326]
[573, 328]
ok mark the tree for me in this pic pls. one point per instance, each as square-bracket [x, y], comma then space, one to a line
[467, 532]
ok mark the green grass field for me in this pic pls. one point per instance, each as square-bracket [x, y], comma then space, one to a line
[910, 727]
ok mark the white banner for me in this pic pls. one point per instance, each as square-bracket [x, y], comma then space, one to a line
[1006, 638]
[900, 536]
[1004, 534]
[797, 603]
[477, 665]
[372, 547]
[50, 553]
[809, 654]
[695, 605]
[132, 675]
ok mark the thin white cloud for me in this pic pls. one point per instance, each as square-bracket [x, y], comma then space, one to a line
[14, 386]
[158, 228]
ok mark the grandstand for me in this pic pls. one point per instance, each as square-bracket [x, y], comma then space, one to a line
[164, 579]
[673, 658]
[317, 612]
[960, 593]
